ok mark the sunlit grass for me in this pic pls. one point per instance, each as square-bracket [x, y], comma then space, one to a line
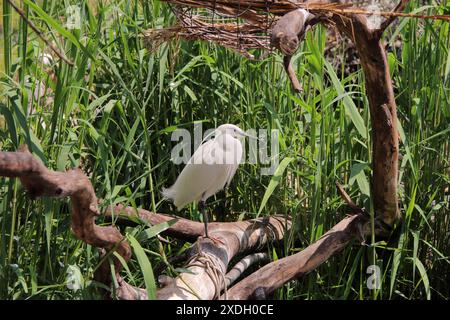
[114, 112]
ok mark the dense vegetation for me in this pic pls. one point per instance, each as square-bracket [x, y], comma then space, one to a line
[114, 111]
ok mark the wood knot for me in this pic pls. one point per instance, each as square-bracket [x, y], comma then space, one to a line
[388, 114]
[94, 209]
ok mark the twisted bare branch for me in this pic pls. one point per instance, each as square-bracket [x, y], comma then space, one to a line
[274, 275]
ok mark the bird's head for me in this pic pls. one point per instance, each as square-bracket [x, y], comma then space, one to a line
[232, 130]
[48, 64]
[46, 59]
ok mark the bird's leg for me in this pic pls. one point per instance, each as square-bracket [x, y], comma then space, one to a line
[202, 208]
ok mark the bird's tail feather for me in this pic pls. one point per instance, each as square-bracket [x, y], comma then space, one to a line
[171, 194]
[168, 193]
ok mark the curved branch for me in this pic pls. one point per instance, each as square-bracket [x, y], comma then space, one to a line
[240, 267]
[40, 181]
[183, 229]
[274, 275]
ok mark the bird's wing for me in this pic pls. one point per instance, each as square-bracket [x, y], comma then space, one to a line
[197, 177]
[234, 166]
[228, 152]
[204, 153]
[210, 168]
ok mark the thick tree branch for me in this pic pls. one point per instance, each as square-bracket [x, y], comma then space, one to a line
[183, 229]
[383, 112]
[274, 275]
[210, 258]
[40, 181]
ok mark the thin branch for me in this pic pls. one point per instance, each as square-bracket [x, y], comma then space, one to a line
[389, 20]
[291, 74]
[344, 195]
[40, 34]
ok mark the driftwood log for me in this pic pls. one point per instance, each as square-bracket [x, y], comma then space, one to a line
[236, 237]
[210, 261]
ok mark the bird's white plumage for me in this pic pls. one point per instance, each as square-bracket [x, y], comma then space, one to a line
[211, 167]
[46, 59]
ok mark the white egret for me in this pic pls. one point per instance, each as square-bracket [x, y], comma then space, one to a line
[211, 167]
[42, 91]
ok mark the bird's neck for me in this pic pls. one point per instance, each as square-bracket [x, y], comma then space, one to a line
[226, 141]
